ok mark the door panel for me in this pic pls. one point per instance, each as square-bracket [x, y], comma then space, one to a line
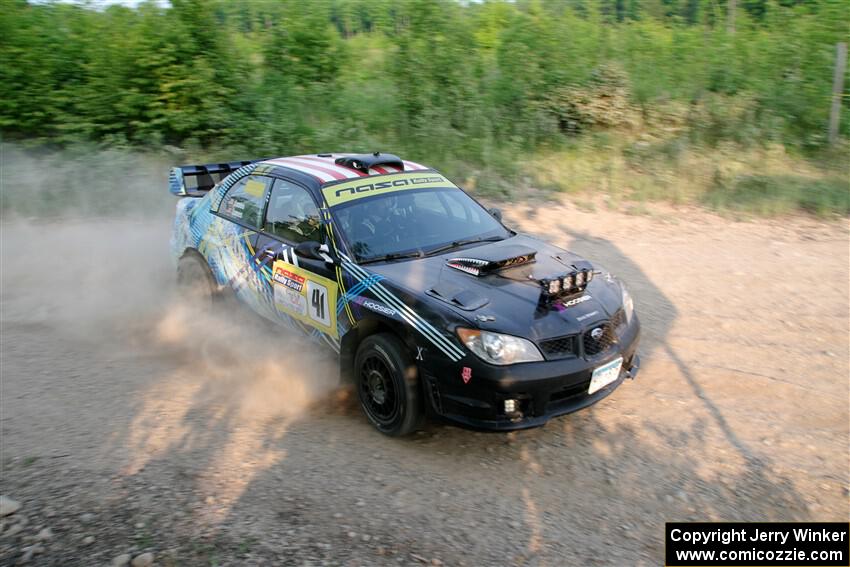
[230, 243]
[306, 295]
[305, 291]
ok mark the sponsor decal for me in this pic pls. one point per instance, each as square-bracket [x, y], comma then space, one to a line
[389, 184]
[378, 308]
[290, 300]
[466, 374]
[576, 301]
[306, 296]
[373, 306]
[344, 192]
[587, 316]
[289, 279]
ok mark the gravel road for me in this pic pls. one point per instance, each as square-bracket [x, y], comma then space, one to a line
[130, 432]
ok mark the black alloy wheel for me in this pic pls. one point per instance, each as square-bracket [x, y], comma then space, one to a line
[387, 385]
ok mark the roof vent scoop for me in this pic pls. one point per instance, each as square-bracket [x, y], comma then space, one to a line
[363, 162]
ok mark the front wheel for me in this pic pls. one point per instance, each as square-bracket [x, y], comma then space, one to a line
[388, 385]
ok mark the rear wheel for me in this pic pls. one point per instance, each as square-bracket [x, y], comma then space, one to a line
[388, 385]
[195, 282]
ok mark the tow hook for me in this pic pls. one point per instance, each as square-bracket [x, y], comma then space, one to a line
[632, 372]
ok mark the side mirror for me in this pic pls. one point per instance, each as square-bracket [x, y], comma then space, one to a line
[315, 251]
[496, 213]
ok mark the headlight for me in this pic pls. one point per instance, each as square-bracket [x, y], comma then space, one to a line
[499, 349]
[628, 303]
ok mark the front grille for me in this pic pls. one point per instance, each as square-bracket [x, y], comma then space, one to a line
[559, 347]
[602, 342]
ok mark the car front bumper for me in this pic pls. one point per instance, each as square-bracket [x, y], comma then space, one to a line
[544, 389]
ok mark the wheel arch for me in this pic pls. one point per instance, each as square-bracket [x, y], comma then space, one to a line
[190, 251]
[366, 328]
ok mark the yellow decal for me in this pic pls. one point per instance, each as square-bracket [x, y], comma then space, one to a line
[255, 188]
[367, 186]
[305, 296]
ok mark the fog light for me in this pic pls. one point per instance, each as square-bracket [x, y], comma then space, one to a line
[511, 406]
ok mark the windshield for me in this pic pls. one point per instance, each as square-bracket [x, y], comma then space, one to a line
[414, 221]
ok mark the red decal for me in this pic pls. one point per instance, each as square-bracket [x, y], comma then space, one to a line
[466, 374]
[287, 274]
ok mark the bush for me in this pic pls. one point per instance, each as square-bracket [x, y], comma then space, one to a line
[604, 103]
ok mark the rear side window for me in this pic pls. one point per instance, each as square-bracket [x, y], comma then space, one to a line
[292, 215]
[244, 201]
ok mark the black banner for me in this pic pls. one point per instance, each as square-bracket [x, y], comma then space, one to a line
[760, 544]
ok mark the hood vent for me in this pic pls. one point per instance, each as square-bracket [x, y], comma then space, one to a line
[462, 298]
[496, 258]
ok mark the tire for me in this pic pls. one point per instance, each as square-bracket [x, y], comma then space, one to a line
[195, 282]
[388, 385]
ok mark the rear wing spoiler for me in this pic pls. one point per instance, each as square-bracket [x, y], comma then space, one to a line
[196, 180]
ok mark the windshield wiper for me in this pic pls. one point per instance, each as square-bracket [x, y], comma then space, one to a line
[458, 243]
[392, 256]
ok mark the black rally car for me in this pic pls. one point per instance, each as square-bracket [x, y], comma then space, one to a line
[433, 305]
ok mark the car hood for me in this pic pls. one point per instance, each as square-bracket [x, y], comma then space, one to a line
[506, 295]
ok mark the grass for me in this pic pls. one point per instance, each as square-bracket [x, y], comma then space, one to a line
[770, 195]
[763, 180]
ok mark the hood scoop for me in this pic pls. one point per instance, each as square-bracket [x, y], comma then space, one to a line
[492, 259]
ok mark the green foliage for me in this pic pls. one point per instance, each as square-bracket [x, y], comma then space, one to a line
[463, 84]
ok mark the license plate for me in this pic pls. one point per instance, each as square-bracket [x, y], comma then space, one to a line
[604, 375]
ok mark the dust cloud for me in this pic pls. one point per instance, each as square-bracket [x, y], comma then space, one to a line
[84, 252]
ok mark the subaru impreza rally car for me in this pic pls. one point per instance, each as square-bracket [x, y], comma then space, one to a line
[433, 305]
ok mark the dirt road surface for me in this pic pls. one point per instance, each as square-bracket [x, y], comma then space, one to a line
[128, 428]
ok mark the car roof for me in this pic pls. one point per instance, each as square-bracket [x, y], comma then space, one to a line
[324, 169]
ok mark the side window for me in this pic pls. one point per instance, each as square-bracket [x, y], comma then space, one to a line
[244, 201]
[292, 214]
